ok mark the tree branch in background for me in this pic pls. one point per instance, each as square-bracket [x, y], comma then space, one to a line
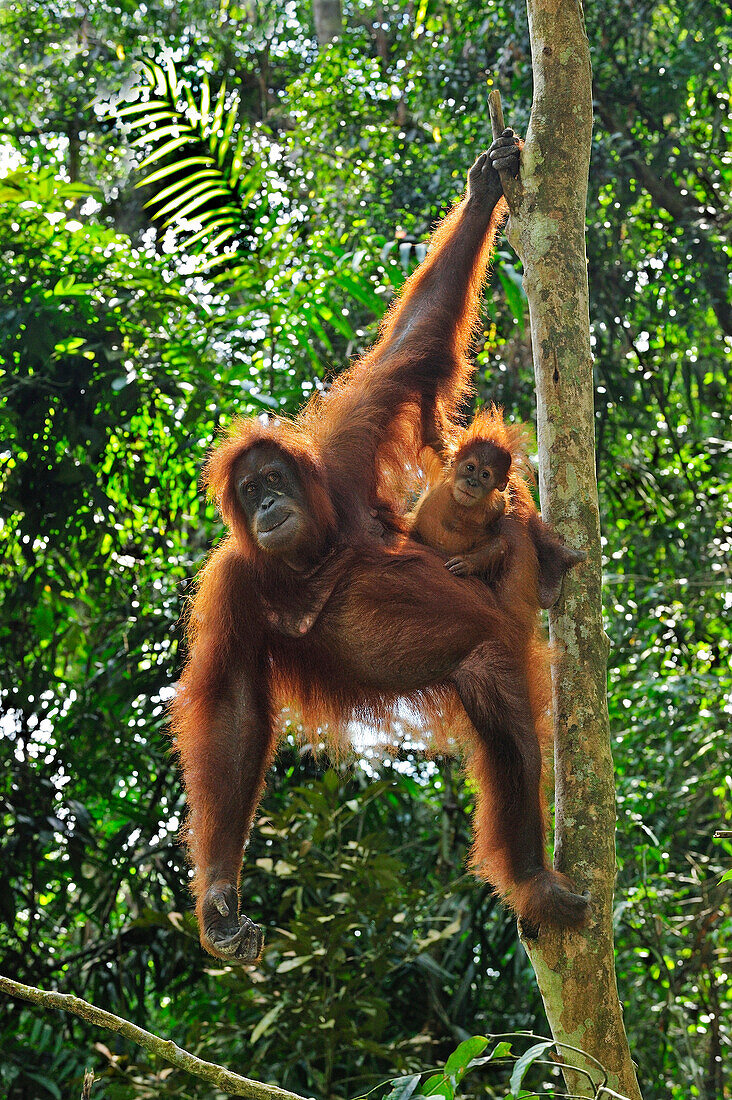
[328, 21]
[210, 1072]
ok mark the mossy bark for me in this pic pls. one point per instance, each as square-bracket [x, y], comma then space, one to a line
[575, 970]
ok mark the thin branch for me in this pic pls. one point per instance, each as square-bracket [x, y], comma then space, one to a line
[210, 1072]
[679, 582]
[564, 1046]
[511, 185]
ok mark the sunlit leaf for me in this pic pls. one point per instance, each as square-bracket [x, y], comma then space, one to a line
[524, 1063]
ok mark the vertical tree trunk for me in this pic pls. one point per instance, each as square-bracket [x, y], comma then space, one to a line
[328, 20]
[575, 971]
[74, 157]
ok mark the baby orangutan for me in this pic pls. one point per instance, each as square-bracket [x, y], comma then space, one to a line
[482, 515]
[459, 514]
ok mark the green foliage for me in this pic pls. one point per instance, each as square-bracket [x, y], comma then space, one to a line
[121, 354]
[96, 350]
[212, 185]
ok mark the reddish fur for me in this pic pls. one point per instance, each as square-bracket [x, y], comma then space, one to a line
[292, 439]
[517, 591]
[440, 522]
[396, 625]
[520, 528]
[517, 586]
[489, 426]
[454, 528]
[489, 526]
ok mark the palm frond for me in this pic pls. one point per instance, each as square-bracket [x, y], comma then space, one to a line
[202, 182]
[212, 187]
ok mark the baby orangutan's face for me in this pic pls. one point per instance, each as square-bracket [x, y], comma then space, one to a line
[473, 478]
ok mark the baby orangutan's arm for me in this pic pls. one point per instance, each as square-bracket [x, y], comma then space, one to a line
[486, 560]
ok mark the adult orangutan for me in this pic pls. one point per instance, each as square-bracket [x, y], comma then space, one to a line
[316, 596]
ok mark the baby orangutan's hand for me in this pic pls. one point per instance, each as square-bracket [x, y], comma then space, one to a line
[460, 567]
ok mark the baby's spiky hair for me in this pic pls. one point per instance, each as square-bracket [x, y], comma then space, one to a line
[489, 427]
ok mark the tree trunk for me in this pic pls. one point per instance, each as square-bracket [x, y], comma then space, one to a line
[575, 970]
[328, 20]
